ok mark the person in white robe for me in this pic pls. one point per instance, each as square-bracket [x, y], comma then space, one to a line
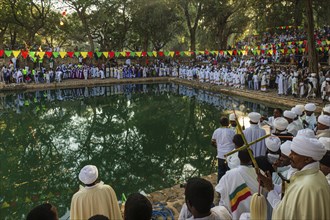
[292, 127]
[264, 82]
[297, 120]
[280, 84]
[310, 119]
[308, 193]
[323, 126]
[95, 198]
[255, 79]
[237, 186]
[253, 133]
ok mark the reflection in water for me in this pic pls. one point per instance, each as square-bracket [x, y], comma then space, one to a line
[141, 137]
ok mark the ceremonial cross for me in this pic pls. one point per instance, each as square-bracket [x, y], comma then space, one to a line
[246, 144]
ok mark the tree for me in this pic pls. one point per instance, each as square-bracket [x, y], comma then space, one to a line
[29, 15]
[312, 55]
[192, 12]
[155, 23]
[84, 9]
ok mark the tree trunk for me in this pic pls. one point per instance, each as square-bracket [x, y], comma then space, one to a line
[312, 55]
[192, 40]
[298, 11]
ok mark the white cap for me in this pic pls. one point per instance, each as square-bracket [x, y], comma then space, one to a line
[232, 117]
[327, 109]
[309, 147]
[301, 107]
[289, 114]
[88, 174]
[286, 148]
[307, 132]
[324, 119]
[280, 123]
[254, 117]
[327, 79]
[326, 142]
[297, 111]
[310, 107]
[273, 143]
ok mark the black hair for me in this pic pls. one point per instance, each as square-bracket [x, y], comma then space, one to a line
[199, 194]
[238, 140]
[98, 217]
[280, 110]
[137, 207]
[224, 121]
[244, 156]
[44, 211]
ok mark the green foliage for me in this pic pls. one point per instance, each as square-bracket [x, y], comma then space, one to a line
[145, 25]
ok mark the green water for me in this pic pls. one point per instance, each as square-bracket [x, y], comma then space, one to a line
[141, 137]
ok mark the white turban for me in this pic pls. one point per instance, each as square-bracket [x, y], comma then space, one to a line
[286, 148]
[300, 107]
[254, 117]
[232, 117]
[310, 107]
[88, 174]
[327, 109]
[297, 111]
[324, 119]
[280, 123]
[326, 142]
[309, 147]
[307, 132]
[273, 143]
[289, 114]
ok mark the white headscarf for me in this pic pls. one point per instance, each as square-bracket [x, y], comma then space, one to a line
[309, 147]
[88, 174]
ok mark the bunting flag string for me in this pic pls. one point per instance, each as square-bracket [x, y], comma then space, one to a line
[270, 49]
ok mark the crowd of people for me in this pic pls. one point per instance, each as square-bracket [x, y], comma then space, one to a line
[293, 175]
[294, 163]
[250, 73]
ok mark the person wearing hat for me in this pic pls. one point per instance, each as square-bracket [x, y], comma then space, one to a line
[265, 163]
[292, 127]
[278, 112]
[310, 119]
[308, 194]
[95, 198]
[280, 125]
[233, 124]
[297, 120]
[325, 161]
[323, 126]
[253, 133]
[282, 165]
[294, 84]
[326, 110]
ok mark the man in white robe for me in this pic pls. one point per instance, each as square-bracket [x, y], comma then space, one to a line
[292, 127]
[95, 198]
[323, 126]
[310, 118]
[308, 194]
[237, 186]
[253, 133]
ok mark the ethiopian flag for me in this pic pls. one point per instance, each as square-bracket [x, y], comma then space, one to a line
[238, 195]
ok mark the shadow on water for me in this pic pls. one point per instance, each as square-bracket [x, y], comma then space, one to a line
[141, 137]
